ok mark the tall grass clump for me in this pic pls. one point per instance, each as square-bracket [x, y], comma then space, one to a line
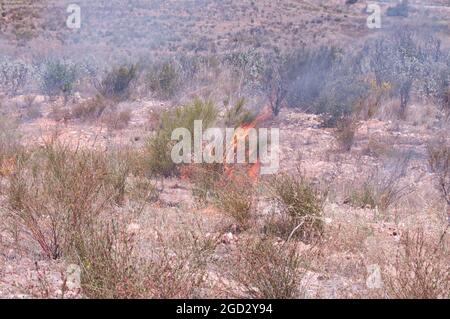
[420, 269]
[298, 205]
[234, 197]
[267, 271]
[382, 188]
[57, 192]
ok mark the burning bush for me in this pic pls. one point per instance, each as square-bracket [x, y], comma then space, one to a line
[238, 115]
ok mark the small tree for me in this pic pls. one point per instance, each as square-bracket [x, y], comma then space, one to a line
[58, 78]
[397, 60]
[275, 88]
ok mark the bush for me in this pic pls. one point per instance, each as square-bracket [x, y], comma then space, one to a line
[112, 269]
[267, 271]
[179, 268]
[91, 109]
[398, 60]
[238, 115]
[345, 133]
[106, 255]
[58, 78]
[117, 120]
[9, 146]
[205, 179]
[234, 197]
[14, 76]
[439, 162]
[117, 83]
[300, 205]
[158, 147]
[381, 188]
[445, 101]
[311, 70]
[56, 193]
[421, 270]
[164, 80]
[342, 92]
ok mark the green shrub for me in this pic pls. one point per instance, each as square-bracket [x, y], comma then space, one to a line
[164, 80]
[238, 115]
[158, 147]
[58, 78]
[117, 83]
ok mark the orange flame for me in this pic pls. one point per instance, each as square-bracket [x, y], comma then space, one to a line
[241, 135]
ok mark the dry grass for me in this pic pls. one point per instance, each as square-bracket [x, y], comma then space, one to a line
[421, 269]
[57, 192]
[439, 162]
[113, 269]
[265, 270]
[300, 207]
[382, 188]
[234, 197]
[90, 110]
[345, 133]
[117, 120]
